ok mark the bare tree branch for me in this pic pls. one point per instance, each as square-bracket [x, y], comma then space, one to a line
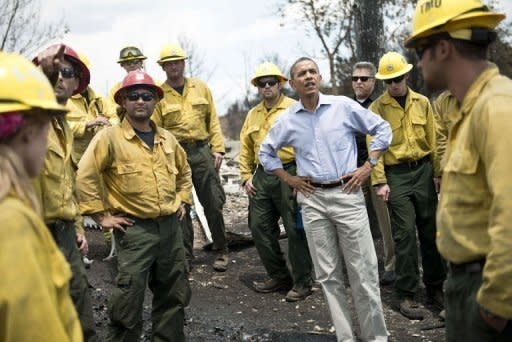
[196, 65]
[22, 29]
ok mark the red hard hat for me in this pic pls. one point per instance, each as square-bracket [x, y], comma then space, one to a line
[71, 54]
[137, 78]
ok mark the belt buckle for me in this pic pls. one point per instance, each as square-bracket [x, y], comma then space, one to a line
[413, 164]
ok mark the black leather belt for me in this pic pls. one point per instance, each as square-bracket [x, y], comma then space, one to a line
[330, 185]
[408, 165]
[187, 144]
[60, 224]
[467, 267]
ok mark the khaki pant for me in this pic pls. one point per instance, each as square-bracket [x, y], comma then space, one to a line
[336, 225]
[378, 207]
[150, 253]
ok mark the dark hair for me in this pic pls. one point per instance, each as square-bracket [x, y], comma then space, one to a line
[302, 59]
[471, 50]
[475, 49]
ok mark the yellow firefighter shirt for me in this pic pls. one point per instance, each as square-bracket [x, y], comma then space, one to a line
[110, 105]
[80, 113]
[191, 116]
[35, 304]
[474, 216]
[256, 126]
[445, 110]
[55, 185]
[138, 181]
[413, 132]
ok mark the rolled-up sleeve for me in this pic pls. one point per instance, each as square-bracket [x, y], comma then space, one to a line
[276, 138]
[88, 181]
[367, 122]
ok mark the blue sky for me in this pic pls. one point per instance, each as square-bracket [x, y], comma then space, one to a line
[232, 35]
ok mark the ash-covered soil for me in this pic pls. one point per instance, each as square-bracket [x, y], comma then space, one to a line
[225, 308]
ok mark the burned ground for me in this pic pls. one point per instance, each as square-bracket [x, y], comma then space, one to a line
[225, 308]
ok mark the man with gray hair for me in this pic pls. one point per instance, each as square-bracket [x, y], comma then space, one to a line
[363, 84]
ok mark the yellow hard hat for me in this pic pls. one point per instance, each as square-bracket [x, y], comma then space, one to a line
[23, 86]
[268, 69]
[392, 65]
[130, 53]
[436, 16]
[171, 52]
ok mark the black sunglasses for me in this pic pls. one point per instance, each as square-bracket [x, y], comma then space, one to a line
[132, 62]
[395, 80]
[67, 72]
[420, 50]
[263, 84]
[146, 97]
[361, 78]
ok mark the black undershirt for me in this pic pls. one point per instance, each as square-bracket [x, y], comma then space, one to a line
[401, 100]
[179, 89]
[147, 137]
[362, 150]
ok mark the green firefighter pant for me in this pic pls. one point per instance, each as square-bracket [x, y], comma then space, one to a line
[64, 234]
[412, 206]
[211, 195]
[150, 252]
[463, 319]
[274, 199]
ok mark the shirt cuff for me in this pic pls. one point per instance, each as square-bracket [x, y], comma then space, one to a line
[91, 207]
[272, 164]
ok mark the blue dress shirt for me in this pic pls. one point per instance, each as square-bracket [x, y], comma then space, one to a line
[323, 140]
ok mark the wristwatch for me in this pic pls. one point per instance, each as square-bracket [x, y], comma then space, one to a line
[373, 161]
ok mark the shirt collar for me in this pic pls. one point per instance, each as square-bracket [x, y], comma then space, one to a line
[389, 100]
[129, 132]
[322, 100]
[167, 88]
[476, 88]
[279, 105]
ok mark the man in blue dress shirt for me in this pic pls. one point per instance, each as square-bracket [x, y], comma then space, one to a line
[322, 129]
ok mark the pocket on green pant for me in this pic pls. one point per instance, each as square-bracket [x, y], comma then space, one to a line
[124, 281]
[482, 329]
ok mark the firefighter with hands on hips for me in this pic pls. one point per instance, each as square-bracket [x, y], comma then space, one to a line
[55, 186]
[187, 111]
[147, 183]
[34, 295]
[269, 197]
[86, 116]
[131, 58]
[452, 39]
[404, 177]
